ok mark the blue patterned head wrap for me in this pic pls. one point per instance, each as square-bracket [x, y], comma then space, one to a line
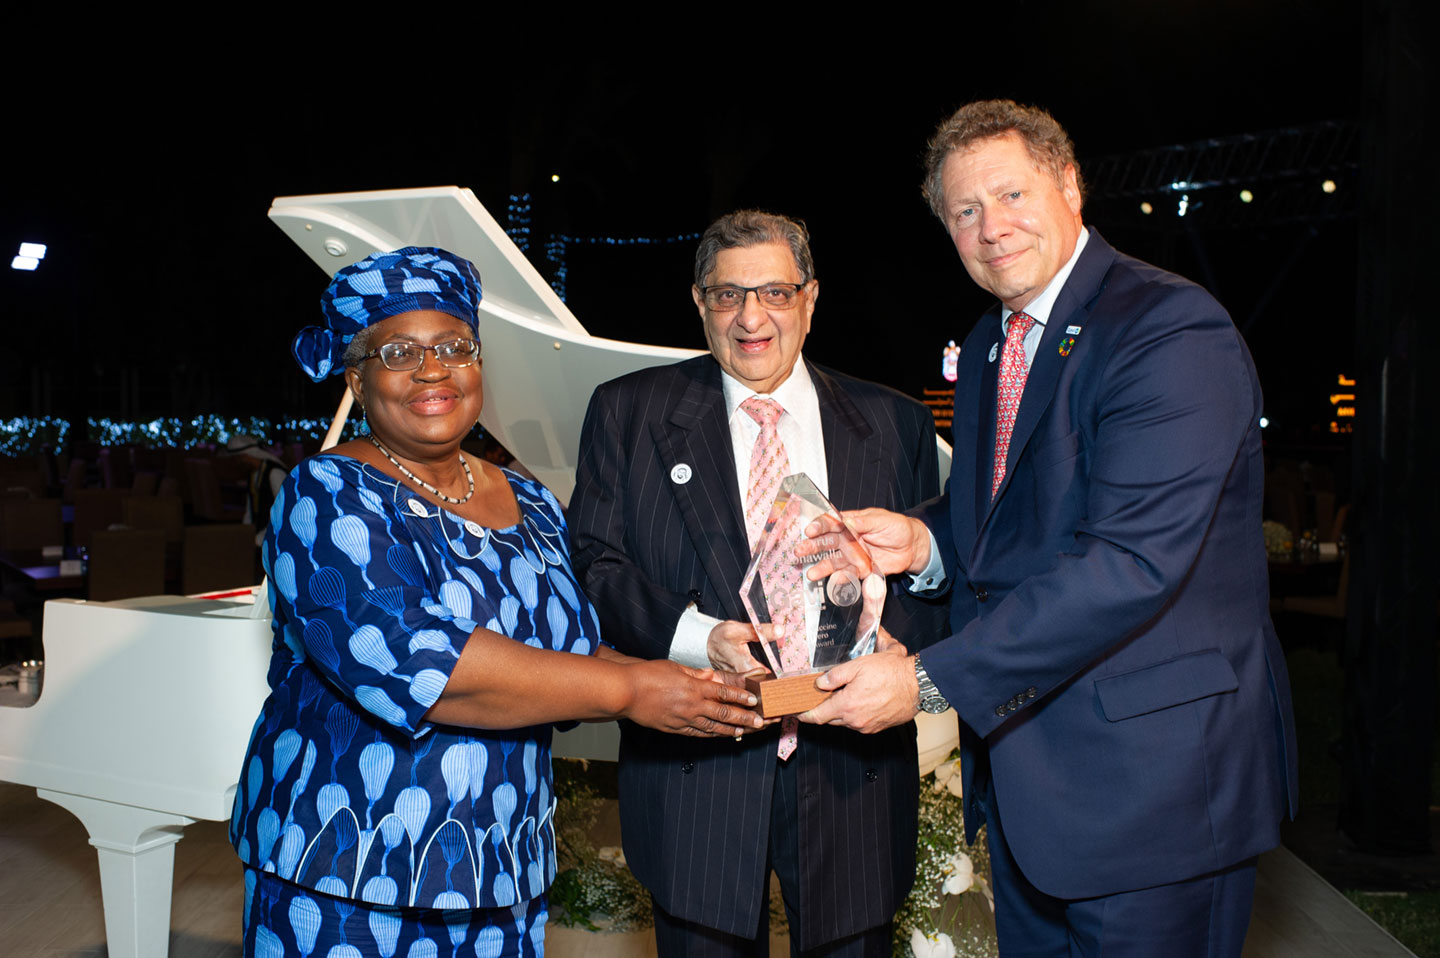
[380, 286]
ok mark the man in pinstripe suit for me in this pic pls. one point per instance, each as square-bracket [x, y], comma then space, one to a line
[661, 546]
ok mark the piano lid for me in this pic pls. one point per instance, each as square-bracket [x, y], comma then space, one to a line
[540, 364]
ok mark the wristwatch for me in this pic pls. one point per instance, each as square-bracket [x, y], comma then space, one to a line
[930, 698]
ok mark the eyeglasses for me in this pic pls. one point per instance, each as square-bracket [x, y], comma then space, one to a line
[402, 357]
[723, 299]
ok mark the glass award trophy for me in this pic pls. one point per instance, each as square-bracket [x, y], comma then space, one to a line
[832, 619]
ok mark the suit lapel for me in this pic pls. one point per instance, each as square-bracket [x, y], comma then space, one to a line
[852, 460]
[697, 436]
[1071, 306]
[985, 431]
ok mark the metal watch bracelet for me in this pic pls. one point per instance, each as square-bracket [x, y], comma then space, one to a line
[930, 698]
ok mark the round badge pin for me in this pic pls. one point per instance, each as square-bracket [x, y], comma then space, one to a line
[994, 351]
[681, 473]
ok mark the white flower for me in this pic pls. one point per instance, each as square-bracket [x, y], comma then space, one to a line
[612, 854]
[959, 874]
[947, 775]
[938, 945]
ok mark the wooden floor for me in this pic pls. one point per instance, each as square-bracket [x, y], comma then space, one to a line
[50, 899]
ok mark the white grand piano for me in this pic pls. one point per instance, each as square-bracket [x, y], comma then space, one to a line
[148, 703]
[139, 730]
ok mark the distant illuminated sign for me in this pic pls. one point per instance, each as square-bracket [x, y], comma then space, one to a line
[1344, 404]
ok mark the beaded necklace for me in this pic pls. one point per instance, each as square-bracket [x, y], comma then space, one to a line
[425, 485]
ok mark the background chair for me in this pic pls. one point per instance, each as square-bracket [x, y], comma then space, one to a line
[125, 563]
[217, 557]
[95, 509]
[205, 494]
[30, 524]
[166, 513]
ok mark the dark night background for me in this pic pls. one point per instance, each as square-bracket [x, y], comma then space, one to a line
[167, 292]
[147, 156]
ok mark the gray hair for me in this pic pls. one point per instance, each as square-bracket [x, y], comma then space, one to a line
[359, 346]
[1045, 140]
[745, 228]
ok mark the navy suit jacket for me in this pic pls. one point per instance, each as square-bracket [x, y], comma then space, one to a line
[695, 813]
[1112, 654]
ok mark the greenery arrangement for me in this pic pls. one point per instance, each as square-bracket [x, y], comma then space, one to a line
[951, 911]
[1412, 917]
[26, 435]
[593, 889]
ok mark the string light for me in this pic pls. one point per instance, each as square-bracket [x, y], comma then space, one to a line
[518, 213]
[24, 435]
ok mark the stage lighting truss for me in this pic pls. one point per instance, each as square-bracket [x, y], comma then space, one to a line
[1253, 179]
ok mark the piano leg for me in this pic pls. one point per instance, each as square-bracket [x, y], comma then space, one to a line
[136, 847]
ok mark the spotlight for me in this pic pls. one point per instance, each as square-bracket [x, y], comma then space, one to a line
[1146, 208]
[554, 177]
[1246, 196]
[1184, 204]
[1328, 186]
[33, 250]
[1264, 422]
[24, 262]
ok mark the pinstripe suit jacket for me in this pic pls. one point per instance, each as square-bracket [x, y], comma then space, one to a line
[695, 813]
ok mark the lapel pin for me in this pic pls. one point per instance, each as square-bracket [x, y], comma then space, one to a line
[1065, 345]
[1071, 330]
[680, 473]
[994, 351]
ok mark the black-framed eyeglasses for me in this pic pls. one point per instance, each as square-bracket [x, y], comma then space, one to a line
[723, 299]
[403, 357]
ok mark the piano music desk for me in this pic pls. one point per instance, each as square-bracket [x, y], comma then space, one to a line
[140, 729]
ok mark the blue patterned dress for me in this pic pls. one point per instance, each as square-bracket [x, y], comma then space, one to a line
[346, 789]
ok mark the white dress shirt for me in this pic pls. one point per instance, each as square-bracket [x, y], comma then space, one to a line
[933, 575]
[799, 430]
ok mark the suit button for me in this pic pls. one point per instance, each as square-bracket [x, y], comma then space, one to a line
[1012, 705]
[1030, 692]
[982, 595]
[688, 767]
[1000, 710]
[871, 775]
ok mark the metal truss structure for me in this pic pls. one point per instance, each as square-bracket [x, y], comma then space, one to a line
[1295, 175]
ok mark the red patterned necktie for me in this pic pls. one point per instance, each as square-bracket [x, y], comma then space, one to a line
[769, 464]
[1013, 371]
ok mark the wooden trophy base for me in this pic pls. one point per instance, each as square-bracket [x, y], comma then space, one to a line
[788, 695]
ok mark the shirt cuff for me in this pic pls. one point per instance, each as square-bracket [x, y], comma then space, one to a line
[932, 576]
[691, 644]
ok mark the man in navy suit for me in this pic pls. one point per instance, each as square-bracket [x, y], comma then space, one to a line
[662, 541]
[1124, 706]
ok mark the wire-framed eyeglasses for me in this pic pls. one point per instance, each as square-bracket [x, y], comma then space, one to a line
[403, 357]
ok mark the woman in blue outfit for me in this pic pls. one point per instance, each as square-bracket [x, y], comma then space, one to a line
[396, 797]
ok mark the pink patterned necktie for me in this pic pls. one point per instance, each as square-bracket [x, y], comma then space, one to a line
[769, 464]
[1013, 371]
